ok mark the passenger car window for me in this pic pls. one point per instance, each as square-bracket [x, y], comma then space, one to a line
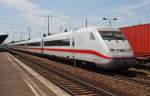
[33, 44]
[63, 42]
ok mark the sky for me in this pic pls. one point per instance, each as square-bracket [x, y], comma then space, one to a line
[19, 17]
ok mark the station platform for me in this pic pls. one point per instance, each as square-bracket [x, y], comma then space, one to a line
[17, 79]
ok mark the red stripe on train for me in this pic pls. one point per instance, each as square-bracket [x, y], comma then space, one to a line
[75, 51]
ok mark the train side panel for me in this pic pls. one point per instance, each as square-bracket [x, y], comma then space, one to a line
[88, 42]
[57, 50]
[34, 46]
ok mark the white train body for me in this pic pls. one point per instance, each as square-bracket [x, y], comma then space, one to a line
[106, 47]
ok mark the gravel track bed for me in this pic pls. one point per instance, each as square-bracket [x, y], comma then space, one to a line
[120, 87]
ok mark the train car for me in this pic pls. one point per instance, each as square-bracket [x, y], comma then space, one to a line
[18, 45]
[139, 38]
[104, 47]
[34, 46]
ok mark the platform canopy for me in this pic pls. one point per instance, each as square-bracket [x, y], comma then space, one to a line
[2, 38]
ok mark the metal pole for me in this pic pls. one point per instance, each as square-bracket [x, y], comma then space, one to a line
[109, 22]
[48, 33]
[48, 25]
[12, 33]
[74, 59]
[86, 23]
[60, 29]
[29, 35]
[29, 30]
[21, 36]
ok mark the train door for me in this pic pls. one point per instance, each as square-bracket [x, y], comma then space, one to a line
[79, 44]
[74, 55]
[85, 41]
[73, 47]
[73, 44]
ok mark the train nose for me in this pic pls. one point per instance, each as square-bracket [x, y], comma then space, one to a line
[121, 53]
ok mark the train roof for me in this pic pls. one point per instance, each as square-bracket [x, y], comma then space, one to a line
[34, 40]
[65, 34]
[27, 41]
[21, 42]
[99, 29]
[107, 29]
[89, 28]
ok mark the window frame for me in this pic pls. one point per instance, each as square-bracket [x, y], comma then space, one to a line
[111, 35]
[60, 42]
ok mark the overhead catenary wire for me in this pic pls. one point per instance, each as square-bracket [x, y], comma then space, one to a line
[87, 11]
[94, 8]
[138, 13]
[20, 25]
[71, 17]
[135, 16]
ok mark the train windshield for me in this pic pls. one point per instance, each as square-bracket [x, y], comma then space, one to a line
[112, 35]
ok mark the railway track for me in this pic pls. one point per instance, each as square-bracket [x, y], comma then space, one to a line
[72, 85]
[140, 82]
[110, 77]
[144, 67]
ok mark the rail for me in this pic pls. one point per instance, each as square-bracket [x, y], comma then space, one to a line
[70, 84]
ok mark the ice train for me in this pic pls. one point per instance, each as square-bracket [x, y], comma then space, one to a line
[104, 47]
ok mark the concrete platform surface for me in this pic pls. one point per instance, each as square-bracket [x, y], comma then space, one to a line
[17, 79]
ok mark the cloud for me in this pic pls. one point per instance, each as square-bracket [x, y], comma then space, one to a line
[129, 10]
[22, 5]
[31, 12]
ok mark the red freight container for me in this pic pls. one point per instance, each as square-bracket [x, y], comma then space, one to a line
[139, 38]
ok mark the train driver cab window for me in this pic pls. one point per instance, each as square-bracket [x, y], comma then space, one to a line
[92, 36]
[112, 35]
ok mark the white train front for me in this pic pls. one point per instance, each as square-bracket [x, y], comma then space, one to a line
[104, 47]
